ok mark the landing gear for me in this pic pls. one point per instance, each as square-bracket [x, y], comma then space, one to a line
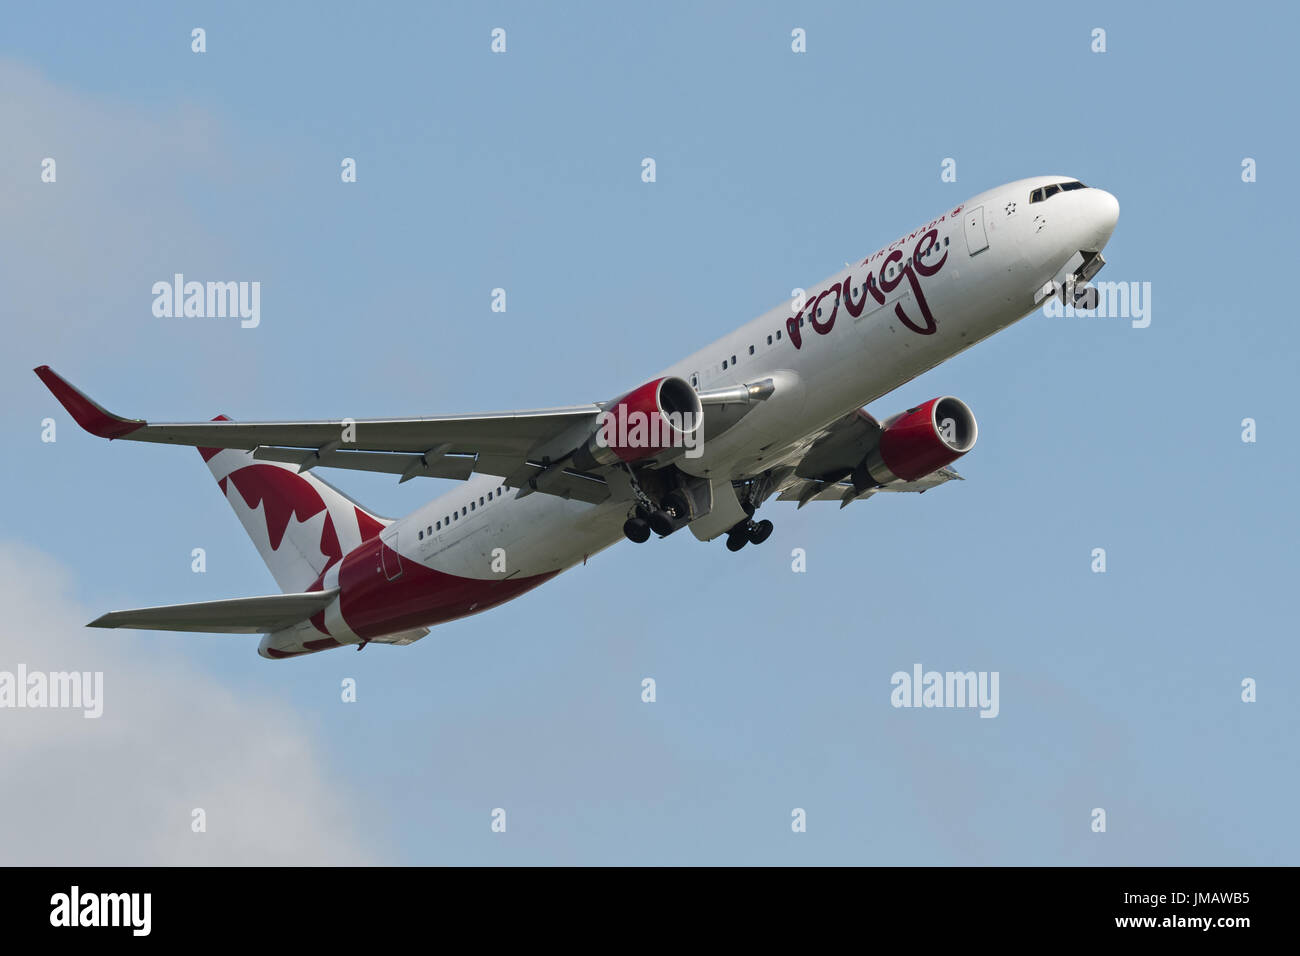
[638, 527]
[651, 516]
[676, 509]
[748, 532]
[677, 504]
[661, 523]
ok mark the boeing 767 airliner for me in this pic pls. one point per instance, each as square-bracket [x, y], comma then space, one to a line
[771, 410]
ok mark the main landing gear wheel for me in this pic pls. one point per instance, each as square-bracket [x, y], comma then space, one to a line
[748, 532]
[636, 529]
[677, 504]
[660, 523]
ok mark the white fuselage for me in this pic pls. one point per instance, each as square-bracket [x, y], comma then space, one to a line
[976, 270]
[855, 363]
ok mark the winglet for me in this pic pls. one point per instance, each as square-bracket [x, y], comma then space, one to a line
[88, 413]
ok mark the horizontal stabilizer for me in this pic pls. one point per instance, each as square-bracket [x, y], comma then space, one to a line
[249, 615]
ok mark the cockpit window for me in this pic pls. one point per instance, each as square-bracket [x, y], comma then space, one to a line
[1047, 192]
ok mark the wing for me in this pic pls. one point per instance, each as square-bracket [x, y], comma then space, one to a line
[804, 490]
[249, 615]
[530, 449]
[831, 454]
[514, 444]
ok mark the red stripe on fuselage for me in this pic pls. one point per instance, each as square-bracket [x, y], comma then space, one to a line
[420, 596]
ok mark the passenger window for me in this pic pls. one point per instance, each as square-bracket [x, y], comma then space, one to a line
[724, 365]
[438, 526]
[733, 360]
[420, 536]
[751, 350]
[464, 512]
[471, 506]
[778, 335]
[489, 496]
[429, 530]
[480, 499]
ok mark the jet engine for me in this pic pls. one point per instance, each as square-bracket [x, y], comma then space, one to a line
[917, 442]
[658, 415]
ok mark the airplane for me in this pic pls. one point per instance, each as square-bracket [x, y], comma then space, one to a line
[773, 410]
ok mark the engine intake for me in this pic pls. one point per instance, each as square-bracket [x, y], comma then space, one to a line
[661, 414]
[919, 441]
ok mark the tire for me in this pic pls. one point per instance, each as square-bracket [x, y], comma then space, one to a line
[634, 529]
[760, 532]
[736, 541]
[678, 503]
[661, 524]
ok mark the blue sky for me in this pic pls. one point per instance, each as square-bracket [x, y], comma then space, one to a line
[522, 171]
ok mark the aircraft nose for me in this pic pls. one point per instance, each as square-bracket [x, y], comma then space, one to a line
[1103, 214]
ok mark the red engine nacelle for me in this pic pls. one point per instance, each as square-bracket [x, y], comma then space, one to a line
[647, 420]
[919, 441]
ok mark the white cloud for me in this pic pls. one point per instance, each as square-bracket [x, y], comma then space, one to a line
[119, 790]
